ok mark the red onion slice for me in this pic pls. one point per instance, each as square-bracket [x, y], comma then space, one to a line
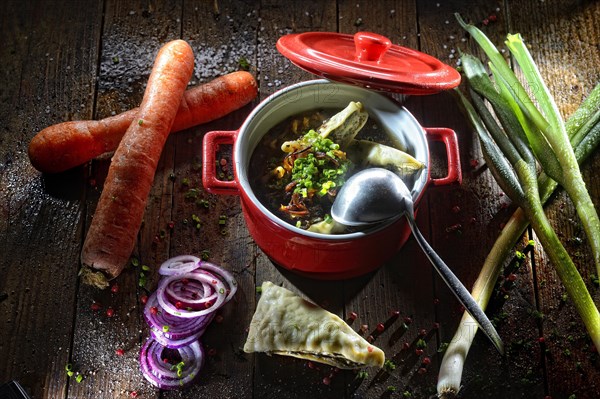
[172, 343]
[170, 307]
[177, 328]
[190, 294]
[166, 374]
[179, 264]
[178, 313]
[226, 276]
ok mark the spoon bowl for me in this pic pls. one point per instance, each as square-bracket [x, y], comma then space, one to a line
[377, 195]
[374, 195]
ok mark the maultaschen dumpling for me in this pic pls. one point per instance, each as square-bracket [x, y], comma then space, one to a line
[285, 324]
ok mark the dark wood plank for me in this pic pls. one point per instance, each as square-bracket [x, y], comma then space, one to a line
[272, 374]
[222, 35]
[66, 60]
[404, 284]
[47, 79]
[133, 32]
[465, 220]
[563, 40]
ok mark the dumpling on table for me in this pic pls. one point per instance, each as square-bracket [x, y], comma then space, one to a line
[286, 324]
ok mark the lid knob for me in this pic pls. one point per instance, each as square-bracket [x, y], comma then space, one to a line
[370, 46]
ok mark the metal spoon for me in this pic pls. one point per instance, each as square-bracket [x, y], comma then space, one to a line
[377, 195]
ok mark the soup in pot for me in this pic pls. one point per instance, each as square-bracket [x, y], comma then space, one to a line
[300, 164]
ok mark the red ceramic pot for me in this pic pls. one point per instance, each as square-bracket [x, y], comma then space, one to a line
[319, 255]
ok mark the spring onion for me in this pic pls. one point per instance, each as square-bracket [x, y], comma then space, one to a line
[583, 132]
[585, 137]
[549, 140]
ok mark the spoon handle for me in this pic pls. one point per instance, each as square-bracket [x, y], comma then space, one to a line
[457, 287]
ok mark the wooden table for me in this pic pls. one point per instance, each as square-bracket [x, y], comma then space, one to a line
[68, 60]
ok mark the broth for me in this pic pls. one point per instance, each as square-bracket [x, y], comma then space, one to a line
[271, 190]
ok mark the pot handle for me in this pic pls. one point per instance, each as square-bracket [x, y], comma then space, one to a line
[210, 145]
[448, 137]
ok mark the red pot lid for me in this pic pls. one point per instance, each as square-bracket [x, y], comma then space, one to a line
[369, 60]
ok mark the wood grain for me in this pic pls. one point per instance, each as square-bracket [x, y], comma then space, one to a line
[74, 60]
[46, 80]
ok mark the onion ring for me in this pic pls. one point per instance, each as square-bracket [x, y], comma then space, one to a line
[165, 373]
[179, 264]
[227, 277]
[178, 313]
[177, 328]
[169, 307]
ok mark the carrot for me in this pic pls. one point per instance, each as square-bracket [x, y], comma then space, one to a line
[69, 144]
[118, 216]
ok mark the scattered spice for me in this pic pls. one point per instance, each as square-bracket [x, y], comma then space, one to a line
[110, 312]
[454, 228]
